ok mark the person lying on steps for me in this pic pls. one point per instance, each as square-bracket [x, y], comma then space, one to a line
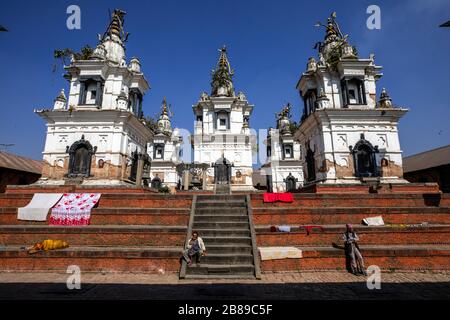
[194, 247]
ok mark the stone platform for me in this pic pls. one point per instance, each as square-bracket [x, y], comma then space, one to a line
[137, 230]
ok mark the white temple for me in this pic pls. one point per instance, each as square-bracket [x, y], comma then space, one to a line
[283, 168]
[346, 135]
[92, 134]
[222, 135]
[165, 151]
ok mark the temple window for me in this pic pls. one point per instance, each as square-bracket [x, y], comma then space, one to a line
[309, 100]
[135, 102]
[91, 92]
[288, 151]
[223, 122]
[353, 91]
[158, 151]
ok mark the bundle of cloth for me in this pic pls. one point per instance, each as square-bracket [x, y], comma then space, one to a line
[280, 229]
[37, 209]
[309, 228]
[48, 245]
[274, 197]
[74, 209]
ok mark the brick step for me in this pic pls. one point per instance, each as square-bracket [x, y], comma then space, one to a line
[31, 189]
[220, 270]
[221, 217]
[221, 224]
[386, 257]
[227, 258]
[220, 197]
[228, 248]
[96, 235]
[133, 200]
[219, 205]
[223, 232]
[279, 216]
[432, 234]
[357, 200]
[226, 240]
[220, 277]
[220, 210]
[93, 259]
[222, 201]
[119, 216]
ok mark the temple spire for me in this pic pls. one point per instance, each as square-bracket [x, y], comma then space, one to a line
[222, 83]
[164, 123]
[115, 27]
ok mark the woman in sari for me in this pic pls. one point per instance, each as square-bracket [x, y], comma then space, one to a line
[354, 259]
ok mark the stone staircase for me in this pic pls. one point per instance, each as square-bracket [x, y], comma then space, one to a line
[224, 222]
[222, 189]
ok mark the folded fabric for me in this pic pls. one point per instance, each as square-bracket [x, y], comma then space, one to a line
[38, 207]
[74, 209]
[309, 228]
[284, 228]
[274, 197]
[48, 245]
[273, 253]
[374, 221]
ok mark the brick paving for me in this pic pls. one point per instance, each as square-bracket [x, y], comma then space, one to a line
[277, 286]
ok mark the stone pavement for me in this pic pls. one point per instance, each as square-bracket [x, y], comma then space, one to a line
[277, 286]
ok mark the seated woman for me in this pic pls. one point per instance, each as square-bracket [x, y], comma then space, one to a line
[354, 259]
[194, 247]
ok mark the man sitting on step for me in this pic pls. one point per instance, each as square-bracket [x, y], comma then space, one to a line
[194, 247]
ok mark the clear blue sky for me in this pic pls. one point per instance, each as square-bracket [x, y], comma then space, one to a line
[269, 43]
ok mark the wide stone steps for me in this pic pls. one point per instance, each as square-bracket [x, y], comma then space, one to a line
[301, 215]
[220, 270]
[221, 211]
[221, 232]
[386, 257]
[96, 235]
[227, 258]
[382, 235]
[224, 225]
[229, 248]
[227, 240]
[116, 216]
[201, 218]
[357, 200]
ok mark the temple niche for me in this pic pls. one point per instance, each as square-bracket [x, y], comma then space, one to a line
[104, 108]
[344, 131]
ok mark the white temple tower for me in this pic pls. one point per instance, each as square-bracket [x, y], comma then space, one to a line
[347, 137]
[165, 151]
[91, 136]
[221, 131]
[283, 169]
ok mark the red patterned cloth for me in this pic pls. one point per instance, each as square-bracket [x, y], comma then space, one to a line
[274, 197]
[74, 209]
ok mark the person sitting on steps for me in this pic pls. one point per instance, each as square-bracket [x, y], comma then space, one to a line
[194, 247]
